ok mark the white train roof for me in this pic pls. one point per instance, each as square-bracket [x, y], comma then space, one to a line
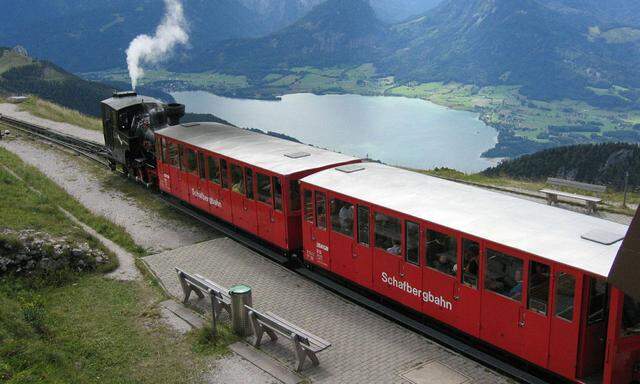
[549, 232]
[267, 152]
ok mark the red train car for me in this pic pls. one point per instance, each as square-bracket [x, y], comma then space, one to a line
[245, 178]
[525, 277]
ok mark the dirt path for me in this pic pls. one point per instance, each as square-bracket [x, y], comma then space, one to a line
[147, 228]
[13, 110]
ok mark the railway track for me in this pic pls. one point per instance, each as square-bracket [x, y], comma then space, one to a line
[457, 342]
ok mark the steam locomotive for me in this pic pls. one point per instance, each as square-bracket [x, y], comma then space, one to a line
[129, 122]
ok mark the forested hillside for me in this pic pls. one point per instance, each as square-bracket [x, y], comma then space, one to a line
[591, 163]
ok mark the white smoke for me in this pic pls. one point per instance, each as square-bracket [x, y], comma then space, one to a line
[151, 50]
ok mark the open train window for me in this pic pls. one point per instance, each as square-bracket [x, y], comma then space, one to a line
[174, 159]
[308, 206]
[412, 242]
[249, 176]
[442, 252]
[201, 168]
[321, 210]
[503, 275]
[181, 157]
[264, 189]
[342, 217]
[190, 162]
[598, 299]
[470, 263]
[277, 193]
[388, 233]
[214, 169]
[224, 173]
[565, 295]
[294, 195]
[539, 280]
[363, 225]
[163, 150]
[237, 179]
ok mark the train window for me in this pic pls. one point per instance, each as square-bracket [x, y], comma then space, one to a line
[249, 176]
[224, 172]
[214, 169]
[264, 189]
[321, 210]
[277, 194]
[174, 159]
[308, 206]
[163, 150]
[201, 168]
[470, 263]
[565, 292]
[342, 217]
[597, 301]
[190, 161]
[503, 275]
[363, 225]
[237, 179]
[294, 195]
[388, 233]
[539, 278]
[412, 242]
[630, 317]
[181, 157]
[442, 252]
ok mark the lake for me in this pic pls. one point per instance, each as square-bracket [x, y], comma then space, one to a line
[396, 130]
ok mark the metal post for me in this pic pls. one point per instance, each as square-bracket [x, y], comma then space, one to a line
[214, 325]
[626, 187]
[240, 296]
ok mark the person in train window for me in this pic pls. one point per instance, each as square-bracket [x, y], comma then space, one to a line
[395, 249]
[516, 290]
[444, 265]
[238, 187]
[345, 215]
[471, 266]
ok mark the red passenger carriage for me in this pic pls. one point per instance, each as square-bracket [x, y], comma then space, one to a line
[245, 178]
[525, 277]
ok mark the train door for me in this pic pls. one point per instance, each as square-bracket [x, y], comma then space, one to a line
[440, 273]
[593, 332]
[534, 319]
[502, 300]
[362, 263]
[310, 252]
[190, 168]
[623, 340]
[341, 237]
[164, 176]
[277, 217]
[217, 204]
[242, 197]
[226, 204]
[198, 186]
[467, 297]
[292, 220]
[264, 206]
[565, 322]
[174, 169]
[319, 231]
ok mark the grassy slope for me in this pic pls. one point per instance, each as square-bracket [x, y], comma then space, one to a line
[51, 111]
[84, 328]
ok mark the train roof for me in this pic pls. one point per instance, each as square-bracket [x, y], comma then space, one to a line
[280, 156]
[549, 232]
[124, 100]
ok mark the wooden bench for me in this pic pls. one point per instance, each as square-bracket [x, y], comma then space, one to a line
[220, 298]
[305, 344]
[591, 201]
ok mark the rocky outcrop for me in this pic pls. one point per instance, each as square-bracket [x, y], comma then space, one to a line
[29, 252]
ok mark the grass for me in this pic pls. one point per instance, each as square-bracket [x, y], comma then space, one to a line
[51, 111]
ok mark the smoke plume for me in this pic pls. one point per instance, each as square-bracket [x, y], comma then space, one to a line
[146, 49]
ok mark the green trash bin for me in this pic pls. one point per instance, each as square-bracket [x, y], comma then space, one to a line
[240, 296]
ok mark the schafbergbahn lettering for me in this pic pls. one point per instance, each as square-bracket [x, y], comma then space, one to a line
[426, 296]
[201, 196]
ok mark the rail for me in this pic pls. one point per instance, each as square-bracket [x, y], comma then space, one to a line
[459, 343]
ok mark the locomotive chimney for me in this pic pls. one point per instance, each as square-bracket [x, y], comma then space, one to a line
[175, 112]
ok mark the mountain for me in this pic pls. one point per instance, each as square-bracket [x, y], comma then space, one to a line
[85, 36]
[610, 12]
[336, 32]
[20, 74]
[591, 163]
[399, 10]
[277, 14]
[552, 53]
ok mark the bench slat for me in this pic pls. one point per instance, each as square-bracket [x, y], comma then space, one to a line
[577, 184]
[309, 335]
[571, 195]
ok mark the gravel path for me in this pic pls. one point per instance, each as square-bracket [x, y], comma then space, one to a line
[147, 228]
[13, 110]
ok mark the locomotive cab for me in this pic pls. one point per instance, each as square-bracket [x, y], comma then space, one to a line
[129, 121]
